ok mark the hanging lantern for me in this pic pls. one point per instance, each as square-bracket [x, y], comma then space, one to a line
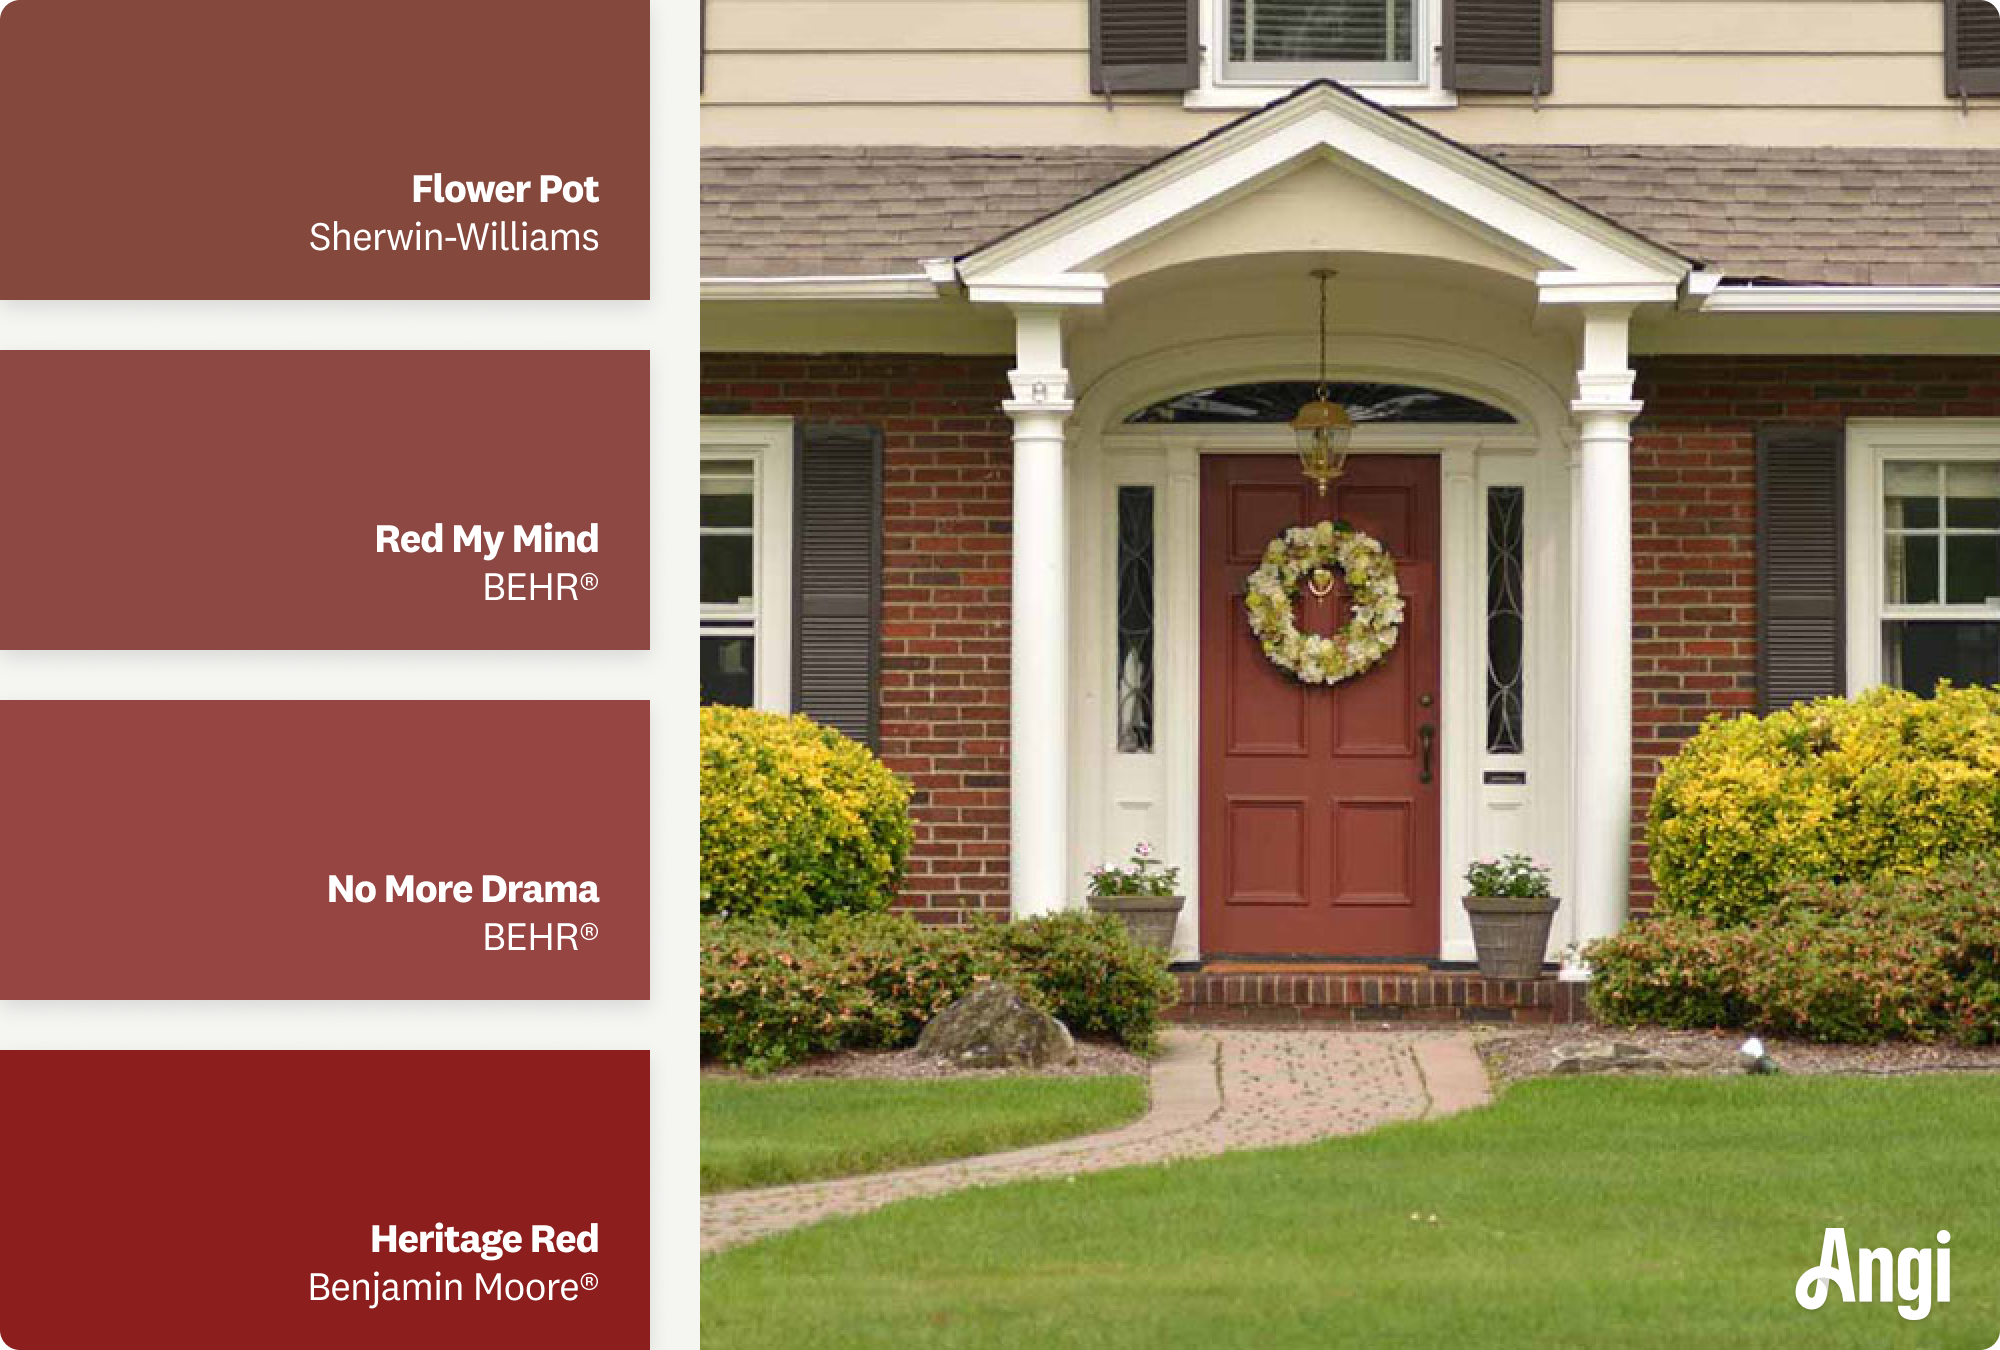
[1322, 427]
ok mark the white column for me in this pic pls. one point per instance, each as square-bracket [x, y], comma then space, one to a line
[1601, 804]
[1039, 800]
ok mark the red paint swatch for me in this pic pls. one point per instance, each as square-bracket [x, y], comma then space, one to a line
[203, 850]
[189, 1198]
[200, 149]
[213, 500]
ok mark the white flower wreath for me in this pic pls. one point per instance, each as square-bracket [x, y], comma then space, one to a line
[1309, 555]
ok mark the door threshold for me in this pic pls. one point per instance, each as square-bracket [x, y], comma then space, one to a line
[1311, 965]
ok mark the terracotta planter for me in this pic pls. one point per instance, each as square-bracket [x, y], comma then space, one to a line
[1510, 933]
[1150, 919]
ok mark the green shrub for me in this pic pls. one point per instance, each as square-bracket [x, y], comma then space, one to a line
[1670, 970]
[796, 819]
[1839, 790]
[1091, 974]
[912, 972]
[773, 994]
[1899, 957]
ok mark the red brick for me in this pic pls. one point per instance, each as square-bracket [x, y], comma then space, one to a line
[1694, 575]
[947, 488]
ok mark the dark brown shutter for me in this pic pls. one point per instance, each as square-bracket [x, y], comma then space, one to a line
[1801, 637]
[837, 576]
[1500, 46]
[1138, 45]
[1971, 48]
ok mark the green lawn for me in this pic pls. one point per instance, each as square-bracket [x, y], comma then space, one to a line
[764, 1133]
[1572, 1213]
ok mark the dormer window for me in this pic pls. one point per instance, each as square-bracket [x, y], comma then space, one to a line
[1357, 41]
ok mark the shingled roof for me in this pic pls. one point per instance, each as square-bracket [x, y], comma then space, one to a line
[1809, 215]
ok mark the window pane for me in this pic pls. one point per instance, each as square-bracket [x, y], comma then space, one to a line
[1319, 30]
[728, 670]
[728, 492]
[1135, 620]
[1911, 577]
[1279, 400]
[1910, 493]
[1972, 568]
[1972, 497]
[1917, 654]
[1505, 615]
[727, 505]
[727, 573]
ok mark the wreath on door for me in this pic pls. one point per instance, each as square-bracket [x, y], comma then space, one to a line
[1310, 556]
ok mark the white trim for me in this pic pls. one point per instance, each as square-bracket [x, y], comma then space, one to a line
[1461, 671]
[1753, 299]
[1075, 288]
[766, 442]
[1872, 442]
[1220, 91]
[889, 286]
[1566, 288]
[1475, 193]
[1702, 291]
[1145, 379]
[1118, 798]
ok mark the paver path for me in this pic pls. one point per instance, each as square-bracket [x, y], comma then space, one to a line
[1212, 1091]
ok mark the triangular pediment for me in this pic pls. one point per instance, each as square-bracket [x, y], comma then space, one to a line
[1316, 205]
[1321, 171]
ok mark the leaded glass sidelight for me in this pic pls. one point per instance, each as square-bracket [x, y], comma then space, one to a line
[1135, 620]
[1505, 613]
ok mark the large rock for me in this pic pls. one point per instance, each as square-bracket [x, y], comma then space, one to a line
[1614, 1057]
[992, 1028]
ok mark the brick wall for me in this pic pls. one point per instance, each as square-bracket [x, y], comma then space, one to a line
[1694, 503]
[947, 491]
[946, 554]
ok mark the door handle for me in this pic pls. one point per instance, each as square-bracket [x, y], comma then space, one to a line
[1426, 737]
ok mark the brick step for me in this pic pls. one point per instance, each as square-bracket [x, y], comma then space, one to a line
[1273, 996]
[1313, 968]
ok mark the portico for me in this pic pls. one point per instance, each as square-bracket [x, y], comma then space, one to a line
[1456, 279]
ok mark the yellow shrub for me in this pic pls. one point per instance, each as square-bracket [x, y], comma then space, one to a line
[1838, 790]
[796, 819]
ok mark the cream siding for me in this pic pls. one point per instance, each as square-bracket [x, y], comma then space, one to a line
[1016, 72]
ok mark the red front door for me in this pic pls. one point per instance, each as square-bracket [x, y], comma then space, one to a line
[1319, 804]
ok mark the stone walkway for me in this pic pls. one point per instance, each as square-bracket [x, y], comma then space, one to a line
[1213, 1090]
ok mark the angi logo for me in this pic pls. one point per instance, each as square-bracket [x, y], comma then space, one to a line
[1911, 1268]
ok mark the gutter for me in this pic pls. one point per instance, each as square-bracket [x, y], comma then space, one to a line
[1752, 298]
[938, 279]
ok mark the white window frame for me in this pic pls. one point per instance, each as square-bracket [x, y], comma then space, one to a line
[1870, 445]
[767, 443]
[1220, 89]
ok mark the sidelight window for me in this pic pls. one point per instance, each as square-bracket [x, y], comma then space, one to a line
[1135, 620]
[1506, 541]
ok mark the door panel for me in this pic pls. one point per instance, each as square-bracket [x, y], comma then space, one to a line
[1319, 834]
[1267, 851]
[1374, 852]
